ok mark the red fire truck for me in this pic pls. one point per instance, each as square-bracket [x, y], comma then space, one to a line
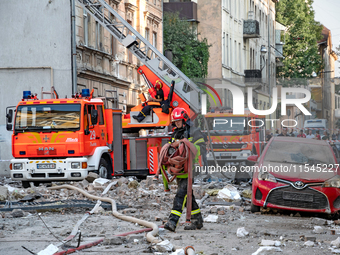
[235, 137]
[64, 139]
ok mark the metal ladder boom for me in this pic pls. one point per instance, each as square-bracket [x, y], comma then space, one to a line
[145, 52]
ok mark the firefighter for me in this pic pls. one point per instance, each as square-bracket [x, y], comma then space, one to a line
[147, 108]
[180, 120]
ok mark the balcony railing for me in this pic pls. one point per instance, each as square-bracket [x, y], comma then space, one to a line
[251, 29]
[253, 76]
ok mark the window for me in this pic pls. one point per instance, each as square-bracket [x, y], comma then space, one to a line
[129, 52]
[100, 114]
[235, 50]
[147, 34]
[230, 54]
[239, 58]
[223, 48]
[86, 29]
[113, 40]
[98, 36]
[154, 39]
[227, 51]
[251, 58]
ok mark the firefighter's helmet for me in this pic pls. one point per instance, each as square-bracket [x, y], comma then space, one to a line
[158, 84]
[179, 114]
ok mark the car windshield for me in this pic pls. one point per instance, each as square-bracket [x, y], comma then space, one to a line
[299, 153]
[227, 125]
[44, 117]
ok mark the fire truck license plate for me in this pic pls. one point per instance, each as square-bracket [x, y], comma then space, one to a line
[225, 154]
[46, 166]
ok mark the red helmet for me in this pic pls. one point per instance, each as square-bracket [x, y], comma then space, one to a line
[158, 84]
[179, 114]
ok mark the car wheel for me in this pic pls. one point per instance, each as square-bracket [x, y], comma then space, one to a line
[25, 184]
[104, 170]
[254, 208]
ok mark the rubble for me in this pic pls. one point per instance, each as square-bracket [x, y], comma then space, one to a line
[91, 177]
[133, 184]
[241, 232]
[146, 200]
[336, 242]
[17, 213]
[229, 193]
[319, 221]
[309, 244]
[164, 246]
[246, 193]
[266, 250]
[211, 218]
[3, 193]
[318, 230]
[270, 243]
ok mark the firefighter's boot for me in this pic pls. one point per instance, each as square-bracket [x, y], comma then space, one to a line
[172, 223]
[138, 117]
[196, 222]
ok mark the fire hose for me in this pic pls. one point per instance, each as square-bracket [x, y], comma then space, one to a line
[179, 163]
[150, 237]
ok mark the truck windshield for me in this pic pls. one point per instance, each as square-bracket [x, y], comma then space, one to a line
[48, 117]
[227, 125]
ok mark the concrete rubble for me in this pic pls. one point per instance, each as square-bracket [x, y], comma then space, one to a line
[229, 226]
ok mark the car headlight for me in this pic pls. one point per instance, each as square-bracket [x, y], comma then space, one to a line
[17, 166]
[245, 154]
[333, 182]
[75, 165]
[265, 176]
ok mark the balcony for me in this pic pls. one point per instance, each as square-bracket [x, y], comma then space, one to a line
[251, 29]
[253, 76]
[187, 10]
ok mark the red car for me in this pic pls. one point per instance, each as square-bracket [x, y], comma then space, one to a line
[296, 174]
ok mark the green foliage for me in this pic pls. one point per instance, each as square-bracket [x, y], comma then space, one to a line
[190, 55]
[302, 57]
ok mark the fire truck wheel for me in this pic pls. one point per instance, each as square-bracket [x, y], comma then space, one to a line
[104, 170]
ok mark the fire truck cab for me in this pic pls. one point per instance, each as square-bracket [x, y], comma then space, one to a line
[234, 137]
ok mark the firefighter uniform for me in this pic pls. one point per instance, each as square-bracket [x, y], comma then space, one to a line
[196, 137]
[147, 108]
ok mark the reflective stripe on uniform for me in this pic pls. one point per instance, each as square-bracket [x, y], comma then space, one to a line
[143, 113]
[201, 140]
[184, 201]
[176, 213]
[190, 139]
[195, 211]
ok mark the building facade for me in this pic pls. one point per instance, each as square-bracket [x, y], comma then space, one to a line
[105, 65]
[36, 54]
[237, 32]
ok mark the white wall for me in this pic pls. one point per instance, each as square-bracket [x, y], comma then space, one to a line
[34, 33]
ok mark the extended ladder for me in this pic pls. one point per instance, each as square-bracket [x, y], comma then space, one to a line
[145, 52]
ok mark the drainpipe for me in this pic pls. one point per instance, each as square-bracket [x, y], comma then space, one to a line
[74, 51]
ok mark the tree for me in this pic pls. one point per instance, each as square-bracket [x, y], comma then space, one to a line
[301, 48]
[191, 55]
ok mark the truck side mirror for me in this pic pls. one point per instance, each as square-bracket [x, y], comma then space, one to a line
[94, 116]
[9, 116]
[9, 119]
